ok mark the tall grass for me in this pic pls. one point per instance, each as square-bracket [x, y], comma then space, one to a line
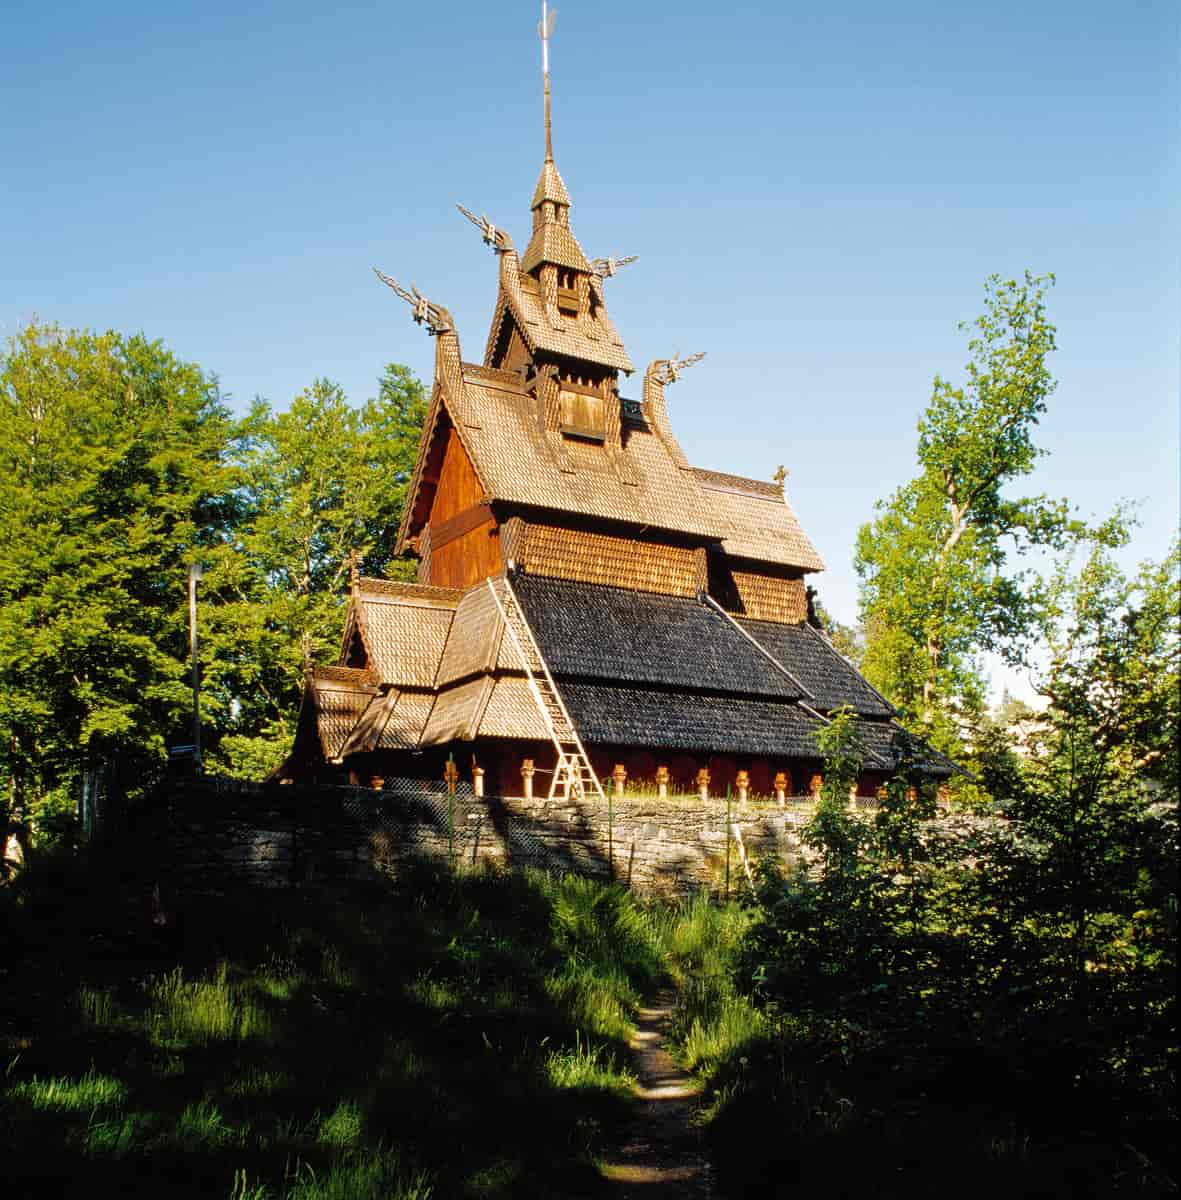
[201, 1011]
[91, 1093]
[435, 1035]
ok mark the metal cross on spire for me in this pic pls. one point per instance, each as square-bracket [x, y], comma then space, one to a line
[545, 29]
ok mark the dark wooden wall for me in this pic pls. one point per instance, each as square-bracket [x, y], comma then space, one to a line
[474, 554]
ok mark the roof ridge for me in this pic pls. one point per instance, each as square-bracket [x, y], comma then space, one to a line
[406, 588]
[742, 483]
[360, 676]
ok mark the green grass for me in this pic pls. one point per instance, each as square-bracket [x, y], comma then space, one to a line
[89, 1094]
[440, 1035]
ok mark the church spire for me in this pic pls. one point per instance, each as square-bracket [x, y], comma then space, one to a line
[550, 188]
[545, 28]
[552, 243]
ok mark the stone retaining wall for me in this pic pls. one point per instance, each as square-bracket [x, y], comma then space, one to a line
[282, 836]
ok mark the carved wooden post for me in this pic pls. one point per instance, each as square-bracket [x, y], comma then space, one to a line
[781, 788]
[742, 782]
[478, 781]
[662, 782]
[815, 784]
[620, 777]
[703, 783]
[527, 773]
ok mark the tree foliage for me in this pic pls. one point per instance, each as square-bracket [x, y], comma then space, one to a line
[119, 466]
[320, 487]
[111, 457]
[937, 586]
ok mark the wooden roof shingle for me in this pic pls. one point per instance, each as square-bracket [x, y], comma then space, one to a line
[586, 630]
[404, 627]
[758, 521]
[830, 677]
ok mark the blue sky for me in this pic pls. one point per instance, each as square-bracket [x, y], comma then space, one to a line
[816, 193]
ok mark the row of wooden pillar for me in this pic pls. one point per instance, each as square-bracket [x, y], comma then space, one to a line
[781, 782]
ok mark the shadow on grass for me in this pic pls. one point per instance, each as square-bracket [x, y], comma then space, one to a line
[440, 1035]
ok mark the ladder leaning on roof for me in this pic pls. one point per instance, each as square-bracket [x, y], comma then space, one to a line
[573, 773]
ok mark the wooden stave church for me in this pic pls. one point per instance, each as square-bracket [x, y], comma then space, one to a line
[669, 602]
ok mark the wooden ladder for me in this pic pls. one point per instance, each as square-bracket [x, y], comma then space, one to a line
[573, 775]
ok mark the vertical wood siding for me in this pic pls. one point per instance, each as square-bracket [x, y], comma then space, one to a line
[475, 555]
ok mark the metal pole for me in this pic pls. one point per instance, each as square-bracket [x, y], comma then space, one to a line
[728, 841]
[195, 573]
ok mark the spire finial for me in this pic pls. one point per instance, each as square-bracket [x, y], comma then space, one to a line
[545, 28]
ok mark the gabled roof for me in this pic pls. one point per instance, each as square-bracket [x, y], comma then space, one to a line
[830, 678]
[517, 464]
[340, 695]
[521, 295]
[609, 633]
[759, 522]
[402, 628]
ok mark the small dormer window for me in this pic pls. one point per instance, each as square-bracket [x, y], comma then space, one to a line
[583, 412]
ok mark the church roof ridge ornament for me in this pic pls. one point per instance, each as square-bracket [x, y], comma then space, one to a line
[604, 268]
[668, 370]
[498, 239]
[434, 316]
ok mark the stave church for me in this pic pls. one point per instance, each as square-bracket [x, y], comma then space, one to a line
[588, 602]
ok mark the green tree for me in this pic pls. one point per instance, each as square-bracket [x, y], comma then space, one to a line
[111, 454]
[1105, 758]
[937, 587]
[321, 486]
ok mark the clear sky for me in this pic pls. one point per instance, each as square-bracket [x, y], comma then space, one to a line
[816, 193]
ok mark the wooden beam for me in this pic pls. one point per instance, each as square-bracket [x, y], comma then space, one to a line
[463, 522]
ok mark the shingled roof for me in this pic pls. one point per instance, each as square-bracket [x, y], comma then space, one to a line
[517, 464]
[757, 520]
[590, 631]
[831, 679]
[674, 720]
[520, 295]
[401, 627]
[339, 696]
[883, 741]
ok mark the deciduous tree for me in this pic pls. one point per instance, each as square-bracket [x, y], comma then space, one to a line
[111, 456]
[937, 584]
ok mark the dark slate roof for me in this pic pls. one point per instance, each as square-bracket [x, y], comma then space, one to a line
[831, 678]
[879, 740]
[591, 631]
[606, 715]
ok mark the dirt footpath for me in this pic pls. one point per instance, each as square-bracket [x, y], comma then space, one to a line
[662, 1154]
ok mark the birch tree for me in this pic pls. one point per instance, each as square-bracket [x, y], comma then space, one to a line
[938, 584]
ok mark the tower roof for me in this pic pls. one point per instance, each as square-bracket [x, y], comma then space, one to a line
[550, 186]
